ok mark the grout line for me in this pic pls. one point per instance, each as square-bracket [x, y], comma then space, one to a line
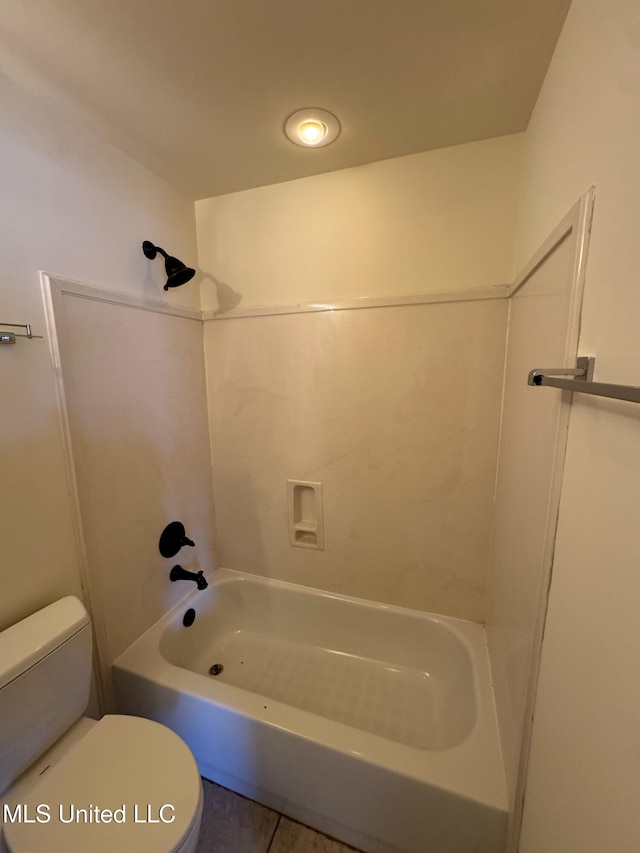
[275, 829]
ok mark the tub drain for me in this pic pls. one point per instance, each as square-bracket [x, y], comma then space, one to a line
[216, 669]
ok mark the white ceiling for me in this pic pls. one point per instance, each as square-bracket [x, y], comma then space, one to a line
[198, 90]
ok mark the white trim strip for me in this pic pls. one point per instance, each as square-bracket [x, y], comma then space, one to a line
[114, 297]
[563, 229]
[498, 292]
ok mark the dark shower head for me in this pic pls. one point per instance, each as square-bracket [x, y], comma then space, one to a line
[177, 272]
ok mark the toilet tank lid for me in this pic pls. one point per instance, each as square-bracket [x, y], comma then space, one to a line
[29, 641]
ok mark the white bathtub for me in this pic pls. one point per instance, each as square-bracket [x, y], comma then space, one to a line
[372, 723]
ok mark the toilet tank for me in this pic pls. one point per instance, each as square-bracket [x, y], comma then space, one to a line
[45, 676]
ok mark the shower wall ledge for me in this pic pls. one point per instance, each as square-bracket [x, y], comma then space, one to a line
[500, 291]
[145, 303]
[116, 297]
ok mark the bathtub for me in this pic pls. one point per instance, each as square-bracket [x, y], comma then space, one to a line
[372, 723]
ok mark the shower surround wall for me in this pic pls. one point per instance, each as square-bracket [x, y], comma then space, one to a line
[134, 385]
[544, 318]
[396, 411]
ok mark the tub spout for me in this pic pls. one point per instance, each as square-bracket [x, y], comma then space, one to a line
[179, 574]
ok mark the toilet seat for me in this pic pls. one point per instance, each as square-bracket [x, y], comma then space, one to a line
[128, 764]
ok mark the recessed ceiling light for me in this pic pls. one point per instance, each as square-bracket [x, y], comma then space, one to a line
[312, 128]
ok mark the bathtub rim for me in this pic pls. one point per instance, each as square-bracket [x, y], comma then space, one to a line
[472, 769]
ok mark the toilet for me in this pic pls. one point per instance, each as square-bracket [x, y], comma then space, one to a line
[69, 784]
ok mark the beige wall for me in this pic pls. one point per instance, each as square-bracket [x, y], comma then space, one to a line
[583, 777]
[441, 220]
[395, 410]
[73, 205]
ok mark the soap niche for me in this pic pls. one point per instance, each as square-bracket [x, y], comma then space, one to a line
[306, 528]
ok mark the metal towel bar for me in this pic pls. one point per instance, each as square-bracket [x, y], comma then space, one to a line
[582, 381]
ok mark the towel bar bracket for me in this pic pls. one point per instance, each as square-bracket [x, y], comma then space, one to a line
[581, 380]
[10, 337]
[585, 366]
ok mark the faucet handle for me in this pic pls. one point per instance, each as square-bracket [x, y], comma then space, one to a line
[173, 538]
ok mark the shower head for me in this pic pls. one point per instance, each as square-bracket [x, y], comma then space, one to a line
[177, 272]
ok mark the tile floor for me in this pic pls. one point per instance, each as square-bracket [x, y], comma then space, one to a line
[233, 824]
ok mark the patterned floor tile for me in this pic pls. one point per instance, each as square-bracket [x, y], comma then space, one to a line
[293, 837]
[233, 824]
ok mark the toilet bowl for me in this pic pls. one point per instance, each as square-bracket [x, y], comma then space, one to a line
[69, 784]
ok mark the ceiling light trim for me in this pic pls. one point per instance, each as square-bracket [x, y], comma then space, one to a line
[325, 124]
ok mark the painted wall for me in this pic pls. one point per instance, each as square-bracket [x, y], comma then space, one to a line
[73, 205]
[441, 220]
[585, 755]
[395, 411]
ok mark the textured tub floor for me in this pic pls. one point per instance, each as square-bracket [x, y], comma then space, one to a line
[233, 824]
